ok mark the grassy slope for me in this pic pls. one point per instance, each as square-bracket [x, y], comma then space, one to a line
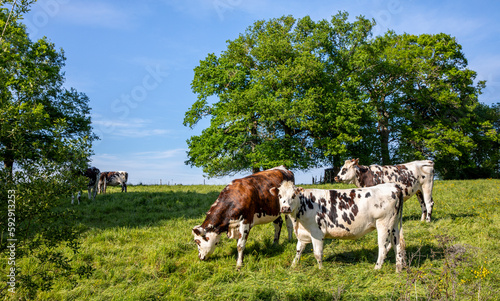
[141, 247]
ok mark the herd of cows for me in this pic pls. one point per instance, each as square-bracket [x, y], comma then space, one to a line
[98, 181]
[312, 214]
[316, 214]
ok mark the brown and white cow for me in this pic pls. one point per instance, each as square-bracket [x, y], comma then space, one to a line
[242, 204]
[92, 173]
[415, 177]
[113, 178]
[345, 214]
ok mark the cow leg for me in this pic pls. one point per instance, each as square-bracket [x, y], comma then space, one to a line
[384, 235]
[289, 227]
[318, 251]
[399, 248]
[428, 200]
[278, 223]
[300, 248]
[94, 192]
[422, 205]
[430, 205]
[79, 194]
[244, 231]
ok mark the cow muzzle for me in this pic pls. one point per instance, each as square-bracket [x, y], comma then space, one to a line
[286, 209]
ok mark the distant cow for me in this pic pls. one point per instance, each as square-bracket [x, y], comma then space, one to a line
[92, 173]
[113, 178]
[241, 205]
[415, 177]
[345, 214]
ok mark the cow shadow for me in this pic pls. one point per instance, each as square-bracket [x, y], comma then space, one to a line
[415, 255]
[437, 217]
[138, 209]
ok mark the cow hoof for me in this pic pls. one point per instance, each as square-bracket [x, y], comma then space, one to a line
[399, 268]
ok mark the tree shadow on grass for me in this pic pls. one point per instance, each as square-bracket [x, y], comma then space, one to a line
[138, 209]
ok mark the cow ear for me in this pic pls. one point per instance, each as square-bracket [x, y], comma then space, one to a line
[274, 191]
[356, 161]
[198, 230]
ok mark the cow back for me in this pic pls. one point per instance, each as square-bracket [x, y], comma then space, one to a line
[247, 198]
[407, 174]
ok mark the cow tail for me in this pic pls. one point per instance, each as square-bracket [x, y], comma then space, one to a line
[402, 242]
[400, 208]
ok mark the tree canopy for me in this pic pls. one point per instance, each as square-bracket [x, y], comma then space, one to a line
[282, 97]
[307, 94]
[39, 117]
[45, 138]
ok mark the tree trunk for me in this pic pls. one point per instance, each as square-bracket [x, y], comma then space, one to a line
[383, 130]
[8, 160]
[254, 134]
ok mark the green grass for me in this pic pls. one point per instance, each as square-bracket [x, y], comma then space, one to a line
[141, 248]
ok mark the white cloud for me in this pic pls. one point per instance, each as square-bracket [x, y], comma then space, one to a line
[162, 154]
[132, 128]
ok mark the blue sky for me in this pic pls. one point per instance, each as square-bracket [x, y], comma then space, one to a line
[135, 61]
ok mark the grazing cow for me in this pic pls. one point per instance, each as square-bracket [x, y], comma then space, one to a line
[113, 178]
[241, 205]
[345, 214]
[93, 174]
[415, 177]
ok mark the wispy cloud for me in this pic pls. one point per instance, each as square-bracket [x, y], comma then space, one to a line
[181, 152]
[132, 128]
[152, 167]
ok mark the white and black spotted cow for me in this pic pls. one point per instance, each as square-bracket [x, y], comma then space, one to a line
[92, 173]
[415, 177]
[345, 214]
[113, 178]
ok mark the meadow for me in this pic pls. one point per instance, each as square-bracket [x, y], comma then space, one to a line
[140, 247]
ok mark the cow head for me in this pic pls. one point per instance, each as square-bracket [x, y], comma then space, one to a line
[288, 196]
[347, 173]
[206, 241]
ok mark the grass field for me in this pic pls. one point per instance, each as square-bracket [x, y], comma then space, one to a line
[141, 248]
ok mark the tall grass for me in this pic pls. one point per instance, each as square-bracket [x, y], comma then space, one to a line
[141, 248]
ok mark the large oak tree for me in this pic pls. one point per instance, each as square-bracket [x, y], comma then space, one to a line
[281, 96]
[307, 94]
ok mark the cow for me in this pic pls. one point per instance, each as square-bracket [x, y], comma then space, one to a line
[345, 214]
[415, 177]
[113, 178]
[92, 173]
[242, 204]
